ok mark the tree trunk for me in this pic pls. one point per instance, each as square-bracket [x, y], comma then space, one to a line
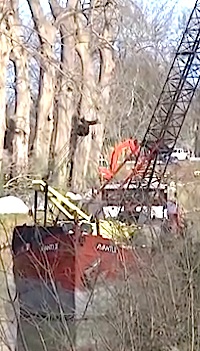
[81, 177]
[95, 100]
[65, 96]
[22, 113]
[106, 73]
[44, 111]
[21, 118]
[5, 45]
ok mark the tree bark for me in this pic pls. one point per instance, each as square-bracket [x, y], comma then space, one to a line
[95, 99]
[107, 65]
[66, 85]
[80, 176]
[5, 44]
[44, 111]
[21, 116]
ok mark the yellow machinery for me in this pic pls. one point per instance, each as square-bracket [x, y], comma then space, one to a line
[62, 204]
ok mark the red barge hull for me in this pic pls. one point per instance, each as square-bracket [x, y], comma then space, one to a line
[56, 268]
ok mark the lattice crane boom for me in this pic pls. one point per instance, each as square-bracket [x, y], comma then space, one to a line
[174, 101]
[179, 88]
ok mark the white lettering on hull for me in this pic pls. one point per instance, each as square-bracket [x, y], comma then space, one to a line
[50, 247]
[106, 248]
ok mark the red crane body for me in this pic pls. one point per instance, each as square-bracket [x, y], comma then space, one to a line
[130, 144]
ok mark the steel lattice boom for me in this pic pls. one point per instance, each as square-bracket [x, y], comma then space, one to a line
[171, 109]
[179, 88]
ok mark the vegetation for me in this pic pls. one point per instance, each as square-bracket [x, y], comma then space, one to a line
[76, 78]
[65, 63]
[154, 308]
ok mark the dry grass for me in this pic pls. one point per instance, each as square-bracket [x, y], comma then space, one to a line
[184, 171]
[8, 302]
[7, 224]
[188, 185]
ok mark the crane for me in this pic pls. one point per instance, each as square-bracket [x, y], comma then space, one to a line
[171, 109]
[130, 144]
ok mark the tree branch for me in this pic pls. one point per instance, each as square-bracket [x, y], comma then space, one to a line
[56, 9]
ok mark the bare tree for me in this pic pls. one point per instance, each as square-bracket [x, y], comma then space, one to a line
[94, 84]
[45, 103]
[5, 41]
[21, 116]
[96, 36]
[142, 62]
[66, 90]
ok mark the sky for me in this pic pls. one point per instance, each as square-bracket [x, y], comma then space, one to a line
[181, 4]
[187, 3]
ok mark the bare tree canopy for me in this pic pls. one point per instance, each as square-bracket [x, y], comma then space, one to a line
[77, 77]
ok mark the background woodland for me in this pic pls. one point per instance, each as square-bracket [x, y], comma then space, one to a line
[77, 77]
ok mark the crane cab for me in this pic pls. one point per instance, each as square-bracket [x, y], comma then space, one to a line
[119, 202]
